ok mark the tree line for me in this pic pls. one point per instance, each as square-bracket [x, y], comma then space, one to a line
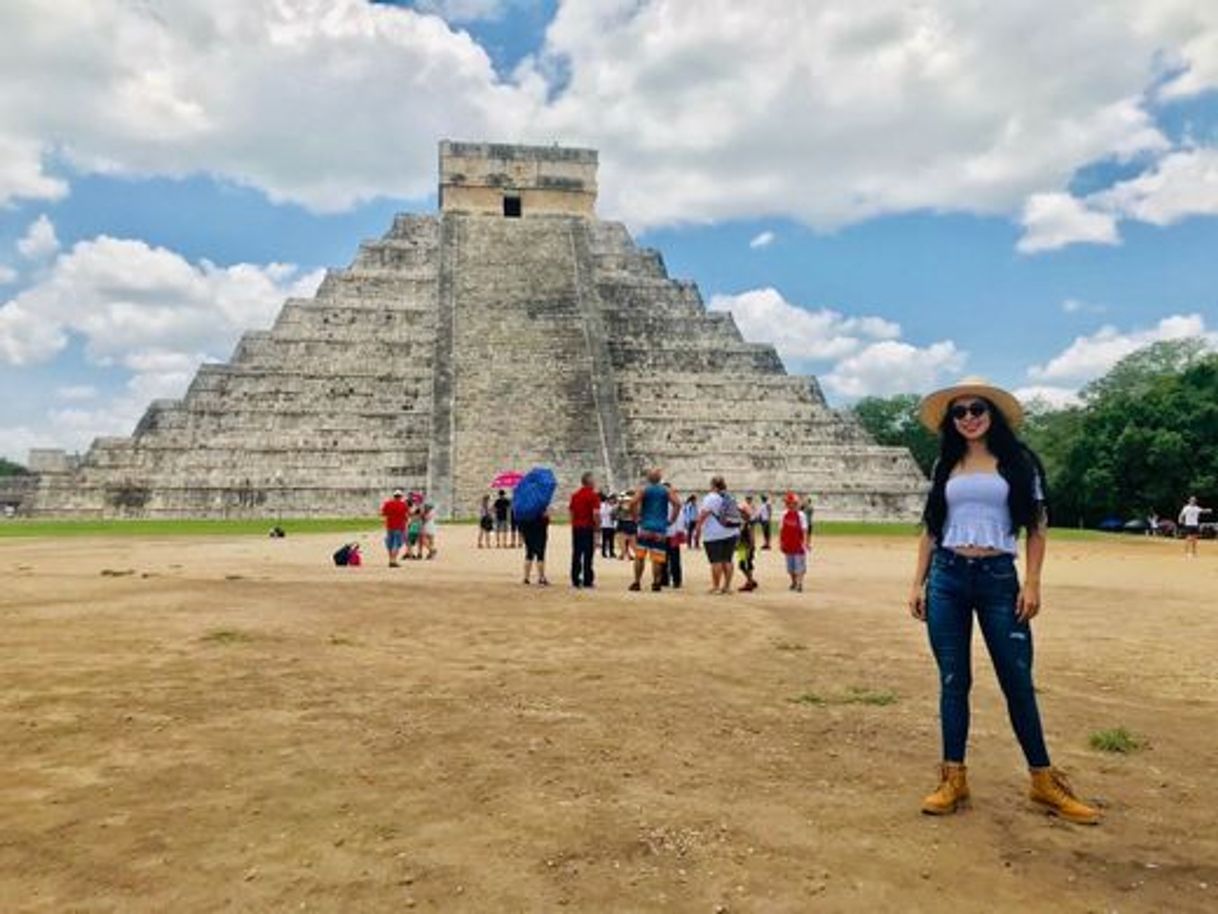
[1142, 439]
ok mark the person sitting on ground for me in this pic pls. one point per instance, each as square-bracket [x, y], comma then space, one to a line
[746, 549]
[608, 529]
[502, 507]
[486, 522]
[793, 540]
[395, 510]
[656, 507]
[719, 522]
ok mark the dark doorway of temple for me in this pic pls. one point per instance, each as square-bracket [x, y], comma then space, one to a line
[511, 207]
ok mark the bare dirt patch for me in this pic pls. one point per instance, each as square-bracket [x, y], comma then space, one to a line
[238, 725]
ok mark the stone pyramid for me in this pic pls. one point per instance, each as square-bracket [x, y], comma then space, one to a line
[513, 328]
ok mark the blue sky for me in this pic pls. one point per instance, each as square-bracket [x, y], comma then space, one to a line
[855, 201]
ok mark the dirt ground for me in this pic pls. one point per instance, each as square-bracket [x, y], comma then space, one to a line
[237, 725]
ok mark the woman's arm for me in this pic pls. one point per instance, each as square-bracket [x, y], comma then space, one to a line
[1029, 596]
[917, 591]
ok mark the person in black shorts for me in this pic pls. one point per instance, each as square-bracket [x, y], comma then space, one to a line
[535, 534]
[503, 507]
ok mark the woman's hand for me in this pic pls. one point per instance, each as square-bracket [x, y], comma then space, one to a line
[1028, 604]
[917, 602]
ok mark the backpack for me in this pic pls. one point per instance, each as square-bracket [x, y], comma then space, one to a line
[729, 512]
[342, 556]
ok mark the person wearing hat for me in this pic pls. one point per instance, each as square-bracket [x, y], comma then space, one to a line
[793, 541]
[395, 510]
[986, 486]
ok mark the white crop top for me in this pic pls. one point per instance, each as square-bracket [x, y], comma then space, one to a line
[977, 512]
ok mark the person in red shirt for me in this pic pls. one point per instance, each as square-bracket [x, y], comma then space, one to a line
[794, 542]
[395, 511]
[585, 513]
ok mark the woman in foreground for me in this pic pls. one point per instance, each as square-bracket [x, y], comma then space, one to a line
[986, 486]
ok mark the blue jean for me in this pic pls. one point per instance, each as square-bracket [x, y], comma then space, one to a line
[956, 588]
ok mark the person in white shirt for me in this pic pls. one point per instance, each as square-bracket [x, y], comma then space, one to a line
[764, 520]
[1190, 522]
[608, 528]
[719, 522]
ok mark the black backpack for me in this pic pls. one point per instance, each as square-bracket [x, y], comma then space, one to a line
[342, 556]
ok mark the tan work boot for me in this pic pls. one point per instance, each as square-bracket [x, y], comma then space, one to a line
[952, 792]
[1051, 790]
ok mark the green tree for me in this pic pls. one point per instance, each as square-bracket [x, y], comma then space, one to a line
[1136, 373]
[1145, 439]
[8, 468]
[894, 421]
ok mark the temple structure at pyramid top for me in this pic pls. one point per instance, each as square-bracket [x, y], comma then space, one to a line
[512, 328]
[492, 179]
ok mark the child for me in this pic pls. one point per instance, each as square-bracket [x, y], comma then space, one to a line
[413, 534]
[794, 542]
[427, 539]
[746, 552]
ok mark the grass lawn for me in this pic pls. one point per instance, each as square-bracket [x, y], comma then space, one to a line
[260, 527]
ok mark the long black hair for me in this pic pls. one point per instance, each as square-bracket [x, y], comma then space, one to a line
[1017, 464]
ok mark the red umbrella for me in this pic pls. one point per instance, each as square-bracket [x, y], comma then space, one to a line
[506, 479]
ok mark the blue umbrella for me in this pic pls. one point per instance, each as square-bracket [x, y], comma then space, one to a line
[533, 493]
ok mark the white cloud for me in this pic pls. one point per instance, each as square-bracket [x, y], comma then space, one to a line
[324, 102]
[130, 301]
[892, 367]
[837, 111]
[144, 309]
[76, 392]
[1052, 221]
[39, 240]
[860, 355]
[1195, 52]
[1179, 185]
[1078, 306]
[801, 336]
[7, 275]
[1053, 397]
[1182, 184]
[762, 240]
[829, 113]
[1089, 357]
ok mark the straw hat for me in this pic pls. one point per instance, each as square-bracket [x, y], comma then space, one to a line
[933, 407]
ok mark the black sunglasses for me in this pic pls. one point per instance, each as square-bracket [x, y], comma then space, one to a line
[976, 409]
